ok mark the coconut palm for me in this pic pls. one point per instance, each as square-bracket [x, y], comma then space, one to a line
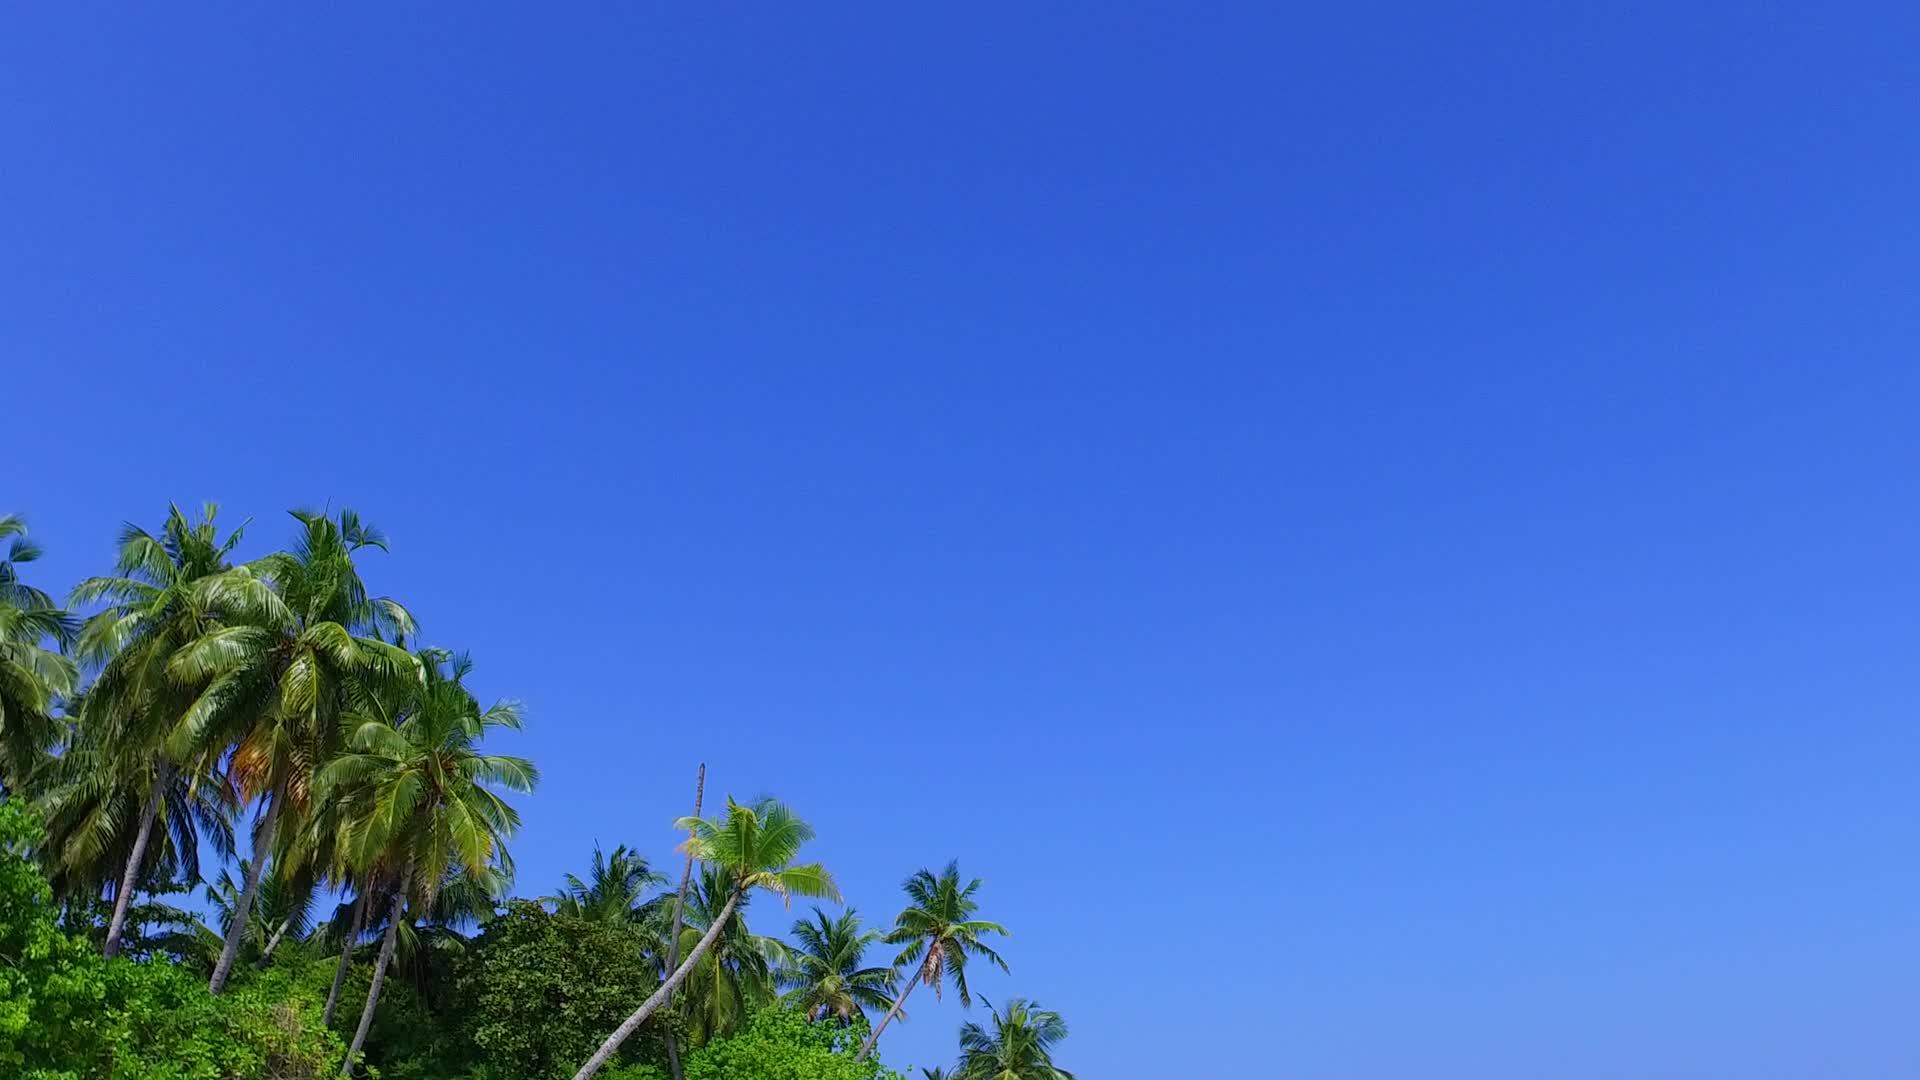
[1020, 1046]
[754, 846]
[32, 677]
[93, 825]
[823, 973]
[134, 708]
[940, 934]
[298, 641]
[615, 889]
[735, 974]
[419, 796]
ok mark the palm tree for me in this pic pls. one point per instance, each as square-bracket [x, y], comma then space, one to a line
[1020, 1046]
[430, 939]
[346, 870]
[297, 641]
[735, 974]
[134, 708]
[940, 933]
[93, 819]
[614, 891]
[463, 900]
[823, 975]
[754, 846]
[419, 796]
[280, 908]
[32, 677]
[935, 1073]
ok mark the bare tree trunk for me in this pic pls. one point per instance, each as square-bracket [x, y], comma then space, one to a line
[379, 977]
[346, 957]
[243, 907]
[124, 898]
[898, 1003]
[679, 909]
[659, 997]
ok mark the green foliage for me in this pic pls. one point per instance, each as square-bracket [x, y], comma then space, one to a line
[68, 1014]
[48, 983]
[780, 1044]
[539, 991]
[410, 1039]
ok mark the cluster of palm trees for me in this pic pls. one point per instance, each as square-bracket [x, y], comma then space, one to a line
[187, 694]
[823, 972]
[277, 688]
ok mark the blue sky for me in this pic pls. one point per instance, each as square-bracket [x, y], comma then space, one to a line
[1384, 533]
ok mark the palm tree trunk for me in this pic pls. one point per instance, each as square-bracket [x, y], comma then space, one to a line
[898, 1003]
[379, 976]
[346, 957]
[243, 907]
[673, 1057]
[679, 909]
[652, 1004]
[124, 898]
[279, 935]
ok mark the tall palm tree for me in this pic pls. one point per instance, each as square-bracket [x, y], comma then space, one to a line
[1020, 1046]
[823, 973]
[735, 974]
[940, 934]
[419, 795]
[32, 677]
[133, 710]
[935, 1073]
[754, 846]
[614, 891]
[298, 641]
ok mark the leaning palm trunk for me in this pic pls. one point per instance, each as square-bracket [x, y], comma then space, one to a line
[652, 1004]
[898, 1004]
[679, 909]
[243, 907]
[279, 935]
[379, 977]
[124, 898]
[346, 958]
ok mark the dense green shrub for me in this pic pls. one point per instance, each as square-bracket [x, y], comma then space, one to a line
[67, 1014]
[537, 992]
[780, 1044]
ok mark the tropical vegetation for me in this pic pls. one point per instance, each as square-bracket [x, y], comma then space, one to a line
[252, 825]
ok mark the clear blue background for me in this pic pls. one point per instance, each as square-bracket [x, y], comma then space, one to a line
[1386, 535]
